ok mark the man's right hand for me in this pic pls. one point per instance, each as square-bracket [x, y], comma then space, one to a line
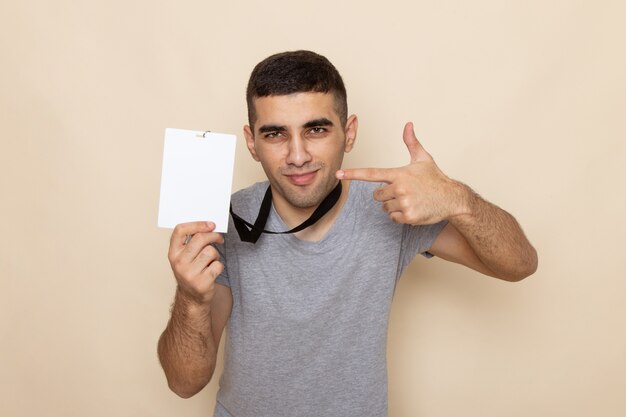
[196, 264]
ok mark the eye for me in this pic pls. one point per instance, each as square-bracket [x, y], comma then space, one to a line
[273, 135]
[318, 130]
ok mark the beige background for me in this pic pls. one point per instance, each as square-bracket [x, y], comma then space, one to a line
[523, 100]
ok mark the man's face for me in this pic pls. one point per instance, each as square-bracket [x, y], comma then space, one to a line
[299, 140]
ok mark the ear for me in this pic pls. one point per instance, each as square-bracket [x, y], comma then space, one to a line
[352, 125]
[249, 135]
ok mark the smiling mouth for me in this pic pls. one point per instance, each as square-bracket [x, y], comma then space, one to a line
[302, 179]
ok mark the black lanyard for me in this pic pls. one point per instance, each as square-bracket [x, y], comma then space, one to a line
[251, 232]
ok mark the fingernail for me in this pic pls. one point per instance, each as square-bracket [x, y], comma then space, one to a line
[339, 174]
[210, 225]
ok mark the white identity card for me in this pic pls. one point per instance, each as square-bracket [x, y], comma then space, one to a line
[197, 178]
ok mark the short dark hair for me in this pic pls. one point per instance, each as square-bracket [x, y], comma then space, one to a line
[296, 72]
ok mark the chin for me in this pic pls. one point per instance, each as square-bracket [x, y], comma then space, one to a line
[304, 201]
[305, 197]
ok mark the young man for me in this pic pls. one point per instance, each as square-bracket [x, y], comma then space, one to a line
[307, 311]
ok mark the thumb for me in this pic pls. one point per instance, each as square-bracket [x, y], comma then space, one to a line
[416, 150]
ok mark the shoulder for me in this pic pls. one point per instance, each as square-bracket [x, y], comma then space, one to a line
[249, 198]
[256, 188]
[245, 203]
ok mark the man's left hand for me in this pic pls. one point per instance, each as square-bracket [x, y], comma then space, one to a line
[418, 193]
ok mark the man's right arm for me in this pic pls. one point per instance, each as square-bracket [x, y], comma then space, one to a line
[188, 346]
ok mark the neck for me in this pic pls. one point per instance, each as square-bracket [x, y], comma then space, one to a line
[293, 216]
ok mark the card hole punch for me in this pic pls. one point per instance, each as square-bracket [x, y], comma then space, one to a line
[203, 135]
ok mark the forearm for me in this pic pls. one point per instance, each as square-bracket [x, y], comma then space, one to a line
[494, 236]
[187, 350]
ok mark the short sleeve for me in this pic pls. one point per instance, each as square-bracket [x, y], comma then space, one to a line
[418, 239]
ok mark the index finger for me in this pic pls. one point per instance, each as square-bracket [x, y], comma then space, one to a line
[183, 230]
[386, 175]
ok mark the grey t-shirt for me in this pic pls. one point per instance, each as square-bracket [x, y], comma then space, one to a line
[308, 328]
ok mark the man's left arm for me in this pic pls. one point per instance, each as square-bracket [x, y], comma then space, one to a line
[478, 234]
[486, 239]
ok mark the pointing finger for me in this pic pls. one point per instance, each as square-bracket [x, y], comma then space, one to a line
[367, 174]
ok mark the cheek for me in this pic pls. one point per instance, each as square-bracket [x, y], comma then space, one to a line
[333, 153]
[270, 156]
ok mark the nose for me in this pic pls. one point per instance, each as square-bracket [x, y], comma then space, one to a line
[297, 152]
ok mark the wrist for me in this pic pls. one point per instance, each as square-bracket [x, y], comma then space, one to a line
[190, 304]
[464, 200]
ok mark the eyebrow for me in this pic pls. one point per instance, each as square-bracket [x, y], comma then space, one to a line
[272, 128]
[322, 121]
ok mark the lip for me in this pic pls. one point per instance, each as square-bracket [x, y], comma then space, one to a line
[302, 179]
